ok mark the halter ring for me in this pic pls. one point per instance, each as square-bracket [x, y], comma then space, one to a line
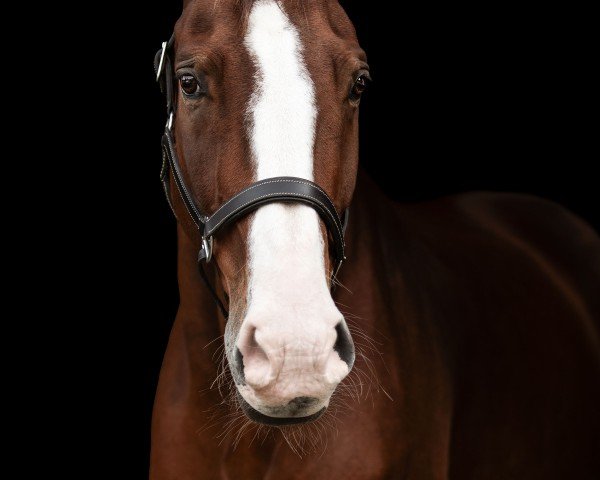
[207, 244]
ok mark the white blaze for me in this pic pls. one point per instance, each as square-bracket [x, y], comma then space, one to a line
[286, 246]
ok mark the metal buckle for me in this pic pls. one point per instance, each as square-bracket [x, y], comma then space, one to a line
[162, 61]
[207, 245]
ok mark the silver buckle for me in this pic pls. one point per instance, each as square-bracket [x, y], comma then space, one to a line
[162, 61]
[207, 245]
[170, 121]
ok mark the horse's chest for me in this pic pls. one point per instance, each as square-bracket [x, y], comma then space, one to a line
[356, 456]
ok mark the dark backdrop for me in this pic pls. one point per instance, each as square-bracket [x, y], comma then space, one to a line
[490, 97]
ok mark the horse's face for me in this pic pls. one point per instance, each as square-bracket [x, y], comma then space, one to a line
[271, 89]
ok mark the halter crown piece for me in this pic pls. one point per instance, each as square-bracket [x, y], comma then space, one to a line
[270, 190]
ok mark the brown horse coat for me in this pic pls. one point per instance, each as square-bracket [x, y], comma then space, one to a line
[484, 310]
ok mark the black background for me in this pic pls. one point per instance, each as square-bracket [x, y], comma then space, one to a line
[492, 97]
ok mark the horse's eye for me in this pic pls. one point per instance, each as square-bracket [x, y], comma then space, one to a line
[189, 85]
[360, 85]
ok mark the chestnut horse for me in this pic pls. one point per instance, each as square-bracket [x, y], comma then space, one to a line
[475, 351]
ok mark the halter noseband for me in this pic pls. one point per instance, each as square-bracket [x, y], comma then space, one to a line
[270, 190]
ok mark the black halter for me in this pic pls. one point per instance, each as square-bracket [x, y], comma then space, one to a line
[276, 189]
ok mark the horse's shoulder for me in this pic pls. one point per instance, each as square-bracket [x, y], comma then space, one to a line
[509, 227]
[526, 218]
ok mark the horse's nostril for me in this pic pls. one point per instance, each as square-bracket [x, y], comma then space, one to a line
[239, 367]
[344, 344]
[303, 402]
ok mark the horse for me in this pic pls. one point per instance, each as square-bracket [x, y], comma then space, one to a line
[460, 338]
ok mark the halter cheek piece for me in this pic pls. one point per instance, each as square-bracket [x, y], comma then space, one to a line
[270, 190]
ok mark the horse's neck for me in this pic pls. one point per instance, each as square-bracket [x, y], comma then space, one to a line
[185, 402]
[372, 275]
[196, 333]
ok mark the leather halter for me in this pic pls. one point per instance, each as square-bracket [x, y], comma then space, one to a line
[270, 190]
